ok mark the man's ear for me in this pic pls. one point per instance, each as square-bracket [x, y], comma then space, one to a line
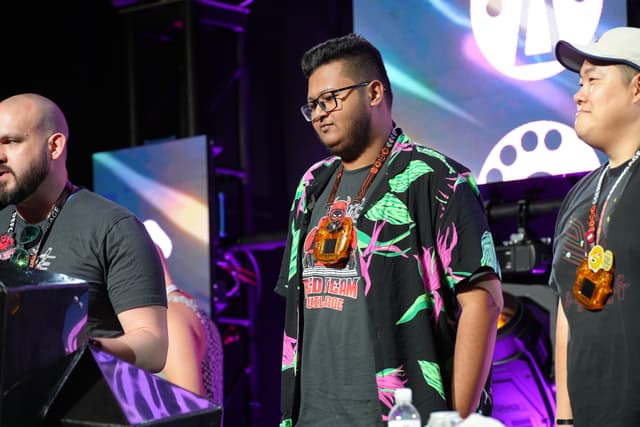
[376, 92]
[56, 144]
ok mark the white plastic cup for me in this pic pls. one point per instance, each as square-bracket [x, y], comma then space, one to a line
[444, 419]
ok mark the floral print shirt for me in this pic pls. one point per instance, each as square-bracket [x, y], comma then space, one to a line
[422, 233]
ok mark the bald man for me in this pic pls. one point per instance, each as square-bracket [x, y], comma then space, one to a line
[47, 223]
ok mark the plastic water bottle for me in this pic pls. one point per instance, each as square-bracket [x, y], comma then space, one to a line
[403, 413]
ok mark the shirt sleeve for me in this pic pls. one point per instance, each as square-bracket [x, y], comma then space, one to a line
[462, 231]
[134, 272]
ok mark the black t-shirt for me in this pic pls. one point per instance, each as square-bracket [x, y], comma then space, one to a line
[338, 369]
[604, 346]
[104, 244]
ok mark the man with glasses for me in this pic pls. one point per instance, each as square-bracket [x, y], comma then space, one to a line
[47, 223]
[389, 265]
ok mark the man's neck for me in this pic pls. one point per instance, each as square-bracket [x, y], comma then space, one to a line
[365, 159]
[38, 206]
[621, 144]
[619, 157]
[370, 154]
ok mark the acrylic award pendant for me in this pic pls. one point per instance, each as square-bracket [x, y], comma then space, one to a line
[332, 245]
[594, 279]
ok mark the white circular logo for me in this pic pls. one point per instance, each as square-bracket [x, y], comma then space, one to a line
[537, 149]
[518, 36]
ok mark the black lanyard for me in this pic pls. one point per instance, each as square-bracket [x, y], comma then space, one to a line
[68, 189]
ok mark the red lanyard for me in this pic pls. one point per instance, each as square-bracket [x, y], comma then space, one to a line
[373, 171]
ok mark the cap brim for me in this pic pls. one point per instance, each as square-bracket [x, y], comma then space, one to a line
[572, 57]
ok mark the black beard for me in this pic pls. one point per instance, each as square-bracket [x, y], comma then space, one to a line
[28, 185]
[359, 140]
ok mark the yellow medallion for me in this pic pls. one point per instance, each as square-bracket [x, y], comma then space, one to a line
[607, 260]
[595, 258]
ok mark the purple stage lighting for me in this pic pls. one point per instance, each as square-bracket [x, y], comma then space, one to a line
[523, 390]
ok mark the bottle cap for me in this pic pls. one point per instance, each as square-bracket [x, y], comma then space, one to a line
[403, 395]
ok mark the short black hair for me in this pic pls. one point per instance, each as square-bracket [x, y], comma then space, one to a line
[628, 72]
[364, 61]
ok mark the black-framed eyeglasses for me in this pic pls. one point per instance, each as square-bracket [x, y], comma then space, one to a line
[28, 237]
[327, 101]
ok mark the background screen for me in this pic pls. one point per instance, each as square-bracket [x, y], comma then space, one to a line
[478, 79]
[165, 186]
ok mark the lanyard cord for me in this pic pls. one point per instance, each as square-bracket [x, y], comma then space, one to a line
[373, 171]
[591, 232]
[68, 189]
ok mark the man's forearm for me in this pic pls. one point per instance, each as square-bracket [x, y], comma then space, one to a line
[563, 403]
[145, 339]
[475, 343]
[139, 347]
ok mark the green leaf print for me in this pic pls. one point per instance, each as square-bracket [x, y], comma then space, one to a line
[437, 155]
[293, 258]
[421, 303]
[364, 240]
[431, 374]
[489, 257]
[473, 184]
[413, 171]
[386, 371]
[391, 209]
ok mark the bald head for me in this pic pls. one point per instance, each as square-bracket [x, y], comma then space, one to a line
[33, 141]
[44, 114]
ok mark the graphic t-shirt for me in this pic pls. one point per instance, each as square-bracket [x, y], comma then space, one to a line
[338, 372]
[104, 244]
[603, 373]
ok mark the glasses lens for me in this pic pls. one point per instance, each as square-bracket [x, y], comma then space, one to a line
[29, 234]
[306, 110]
[328, 102]
[20, 257]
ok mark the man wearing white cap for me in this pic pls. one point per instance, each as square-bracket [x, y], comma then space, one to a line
[596, 263]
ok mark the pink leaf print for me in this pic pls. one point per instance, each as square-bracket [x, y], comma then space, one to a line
[364, 267]
[431, 278]
[370, 250]
[402, 145]
[443, 198]
[308, 176]
[388, 382]
[289, 351]
[446, 244]
[365, 257]
[430, 274]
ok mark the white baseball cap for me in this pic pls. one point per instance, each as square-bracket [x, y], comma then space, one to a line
[619, 45]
